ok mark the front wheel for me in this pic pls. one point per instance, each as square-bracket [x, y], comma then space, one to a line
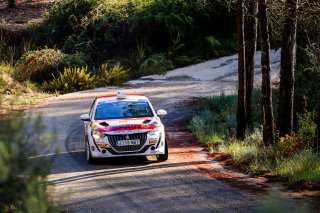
[89, 157]
[164, 157]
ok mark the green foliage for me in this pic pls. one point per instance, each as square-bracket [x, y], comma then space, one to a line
[66, 16]
[217, 116]
[5, 83]
[303, 165]
[39, 65]
[288, 146]
[212, 46]
[303, 139]
[307, 96]
[136, 58]
[8, 53]
[212, 140]
[5, 68]
[214, 126]
[277, 203]
[3, 47]
[101, 28]
[184, 60]
[246, 151]
[240, 151]
[71, 80]
[155, 64]
[111, 75]
[23, 179]
[307, 129]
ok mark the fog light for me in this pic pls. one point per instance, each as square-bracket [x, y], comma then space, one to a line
[151, 142]
[102, 145]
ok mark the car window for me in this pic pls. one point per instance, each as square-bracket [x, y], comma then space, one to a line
[122, 109]
[91, 108]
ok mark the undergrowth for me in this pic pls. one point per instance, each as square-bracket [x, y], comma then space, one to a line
[71, 80]
[136, 30]
[291, 157]
[111, 75]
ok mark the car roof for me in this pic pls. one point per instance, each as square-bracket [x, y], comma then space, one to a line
[131, 97]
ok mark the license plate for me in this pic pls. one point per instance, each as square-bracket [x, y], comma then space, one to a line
[128, 142]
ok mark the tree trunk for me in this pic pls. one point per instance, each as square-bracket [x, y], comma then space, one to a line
[250, 53]
[241, 115]
[317, 141]
[268, 121]
[11, 3]
[287, 68]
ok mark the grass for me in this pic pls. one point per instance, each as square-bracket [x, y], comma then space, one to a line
[303, 165]
[14, 95]
[214, 127]
[240, 151]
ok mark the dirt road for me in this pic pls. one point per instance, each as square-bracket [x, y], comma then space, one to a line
[139, 184]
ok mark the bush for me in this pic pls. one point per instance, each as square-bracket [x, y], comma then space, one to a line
[101, 28]
[71, 80]
[217, 116]
[307, 97]
[303, 139]
[303, 165]
[39, 65]
[136, 58]
[155, 64]
[240, 151]
[214, 126]
[115, 75]
[23, 179]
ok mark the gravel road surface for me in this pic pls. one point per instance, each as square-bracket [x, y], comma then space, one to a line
[140, 184]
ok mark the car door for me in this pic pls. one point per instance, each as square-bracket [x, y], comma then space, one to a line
[87, 124]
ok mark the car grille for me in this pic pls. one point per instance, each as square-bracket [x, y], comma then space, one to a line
[132, 148]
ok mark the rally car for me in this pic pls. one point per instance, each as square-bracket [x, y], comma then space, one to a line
[124, 125]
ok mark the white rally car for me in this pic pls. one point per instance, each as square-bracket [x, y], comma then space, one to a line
[123, 125]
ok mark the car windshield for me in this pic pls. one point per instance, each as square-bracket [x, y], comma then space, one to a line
[122, 109]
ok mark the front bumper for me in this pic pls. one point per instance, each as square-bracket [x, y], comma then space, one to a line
[106, 149]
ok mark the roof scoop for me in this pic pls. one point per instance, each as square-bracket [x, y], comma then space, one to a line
[146, 121]
[104, 124]
[121, 95]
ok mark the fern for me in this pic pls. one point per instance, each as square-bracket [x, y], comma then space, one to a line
[71, 80]
[115, 75]
[155, 64]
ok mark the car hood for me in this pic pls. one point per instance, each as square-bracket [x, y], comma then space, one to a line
[125, 125]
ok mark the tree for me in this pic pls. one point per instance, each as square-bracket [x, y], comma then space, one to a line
[287, 68]
[11, 3]
[241, 114]
[251, 23]
[267, 109]
[23, 180]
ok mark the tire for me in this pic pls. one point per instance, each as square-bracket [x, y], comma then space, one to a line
[89, 157]
[164, 157]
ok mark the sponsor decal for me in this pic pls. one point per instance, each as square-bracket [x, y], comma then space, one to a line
[124, 125]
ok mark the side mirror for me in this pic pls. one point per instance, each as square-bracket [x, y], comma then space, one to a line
[161, 112]
[85, 117]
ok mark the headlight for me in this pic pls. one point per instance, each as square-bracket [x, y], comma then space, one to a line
[155, 131]
[96, 134]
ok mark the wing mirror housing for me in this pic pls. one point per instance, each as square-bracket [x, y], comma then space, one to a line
[161, 112]
[85, 117]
